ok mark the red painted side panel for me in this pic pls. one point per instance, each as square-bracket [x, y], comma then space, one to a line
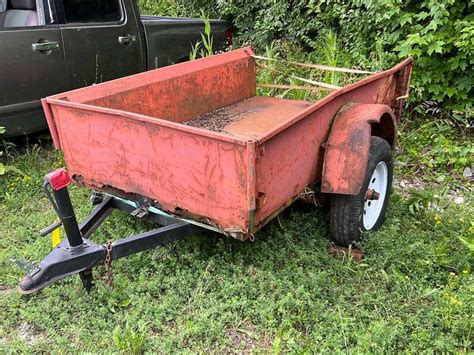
[293, 159]
[179, 92]
[183, 173]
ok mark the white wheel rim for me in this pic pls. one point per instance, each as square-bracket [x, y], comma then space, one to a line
[372, 208]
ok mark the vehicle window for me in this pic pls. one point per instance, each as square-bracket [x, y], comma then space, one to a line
[87, 11]
[21, 13]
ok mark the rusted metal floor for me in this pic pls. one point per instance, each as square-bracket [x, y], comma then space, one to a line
[249, 119]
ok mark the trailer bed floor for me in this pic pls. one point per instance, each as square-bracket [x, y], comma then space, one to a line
[250, 118]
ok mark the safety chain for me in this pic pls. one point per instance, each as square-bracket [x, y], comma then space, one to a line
[108, 263]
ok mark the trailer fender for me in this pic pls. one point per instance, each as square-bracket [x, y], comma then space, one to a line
[347, 148]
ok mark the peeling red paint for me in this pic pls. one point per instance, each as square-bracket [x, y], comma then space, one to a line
[347, 148]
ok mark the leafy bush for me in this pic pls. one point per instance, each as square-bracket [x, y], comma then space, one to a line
[435, 148]
[162, 7]
[5, 168]
[439, 34]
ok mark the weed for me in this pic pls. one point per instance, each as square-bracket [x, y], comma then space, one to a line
[331, 56]
[3, 149]
[131, 339]
[204, 47]
[206, 37]
[436, 151]
[194, 50]
[279, 68]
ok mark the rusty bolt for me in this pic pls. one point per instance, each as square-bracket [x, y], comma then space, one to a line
[371, 194]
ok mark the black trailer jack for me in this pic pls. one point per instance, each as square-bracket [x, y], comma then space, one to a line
[77, 254]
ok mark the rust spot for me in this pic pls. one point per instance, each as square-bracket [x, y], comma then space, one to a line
[371, 194]
[357, 140]
[261, 199]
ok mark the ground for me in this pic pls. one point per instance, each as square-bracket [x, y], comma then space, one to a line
[284, 292]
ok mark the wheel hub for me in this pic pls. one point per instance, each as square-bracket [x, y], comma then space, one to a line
[375, 195]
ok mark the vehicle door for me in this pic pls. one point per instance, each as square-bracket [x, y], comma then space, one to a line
[101, 40]
[31, 63]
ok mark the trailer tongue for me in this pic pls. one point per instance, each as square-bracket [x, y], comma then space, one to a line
[78, 254]
[192, 145]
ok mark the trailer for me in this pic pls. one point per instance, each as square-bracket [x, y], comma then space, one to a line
[193, 146]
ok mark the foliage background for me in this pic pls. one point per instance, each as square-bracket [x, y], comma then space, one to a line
[439, 34]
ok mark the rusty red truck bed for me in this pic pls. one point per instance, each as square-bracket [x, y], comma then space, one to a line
[195, 141]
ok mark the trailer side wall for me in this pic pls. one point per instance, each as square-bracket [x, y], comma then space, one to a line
[183, 173]
[180, 92]
[293, 158]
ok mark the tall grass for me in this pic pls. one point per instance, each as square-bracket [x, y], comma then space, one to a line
[328, 53]
[331, 57]
[204, 47]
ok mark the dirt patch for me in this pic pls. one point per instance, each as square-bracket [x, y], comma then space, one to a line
[455, 195]
[245, 339]
[28, 333]
[404, 185]
[216, 120]
[6, 290]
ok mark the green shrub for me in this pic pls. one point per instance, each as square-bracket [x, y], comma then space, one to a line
[3, 145]
[162, 7]
[439, 34]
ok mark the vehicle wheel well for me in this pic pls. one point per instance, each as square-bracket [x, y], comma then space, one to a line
[384, 129]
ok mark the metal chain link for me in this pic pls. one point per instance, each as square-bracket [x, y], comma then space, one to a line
[108, 263]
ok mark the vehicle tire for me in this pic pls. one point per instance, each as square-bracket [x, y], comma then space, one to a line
[351, 215]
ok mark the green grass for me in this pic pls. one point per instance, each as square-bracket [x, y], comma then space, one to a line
[284, 292]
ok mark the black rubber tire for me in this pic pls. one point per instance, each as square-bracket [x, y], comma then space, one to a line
[346, 211]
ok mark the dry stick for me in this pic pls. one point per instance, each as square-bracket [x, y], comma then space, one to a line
[292, 87]
[402, 97]
[318, 83]
[316, 66]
